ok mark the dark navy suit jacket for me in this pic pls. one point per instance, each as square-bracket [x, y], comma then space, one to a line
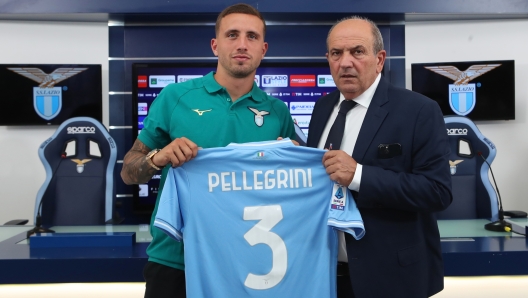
[399, 256]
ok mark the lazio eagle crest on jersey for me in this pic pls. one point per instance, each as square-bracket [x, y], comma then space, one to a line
[259, 116]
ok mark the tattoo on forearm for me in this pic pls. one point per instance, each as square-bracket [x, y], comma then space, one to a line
[135, 168]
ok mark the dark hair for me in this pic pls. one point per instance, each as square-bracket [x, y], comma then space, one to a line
[239, 8]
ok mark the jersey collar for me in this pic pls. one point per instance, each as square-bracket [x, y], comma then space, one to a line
[212, 86]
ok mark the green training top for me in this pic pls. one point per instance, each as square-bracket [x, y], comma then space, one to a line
[202, 111]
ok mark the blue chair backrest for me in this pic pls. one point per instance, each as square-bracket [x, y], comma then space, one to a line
[79, 160]
[473, 194]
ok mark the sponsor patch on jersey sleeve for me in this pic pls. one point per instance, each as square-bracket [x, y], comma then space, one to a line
[339, 197]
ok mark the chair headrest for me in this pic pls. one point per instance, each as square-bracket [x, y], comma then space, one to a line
[467, 141]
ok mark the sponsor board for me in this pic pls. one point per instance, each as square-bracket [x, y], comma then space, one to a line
[161, 81]
[325, 81]
[302, 80]
[140, 121]
[142, 81]
[301, 107]
[274, 81]
[185, 78]
[302, 121]
[142, 108]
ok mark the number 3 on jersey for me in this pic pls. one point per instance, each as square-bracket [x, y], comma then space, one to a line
[261, 233]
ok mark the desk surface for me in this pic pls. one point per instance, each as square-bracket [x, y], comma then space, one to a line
[467, 248]
[470, 250]
[20, 264]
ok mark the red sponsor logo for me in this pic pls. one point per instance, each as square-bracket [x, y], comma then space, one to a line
[142, 81]
[302, 80]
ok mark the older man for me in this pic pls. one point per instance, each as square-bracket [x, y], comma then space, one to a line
[389, 146]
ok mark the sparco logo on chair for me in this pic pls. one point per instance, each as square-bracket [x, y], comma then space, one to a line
[457, 131]
[81, 129]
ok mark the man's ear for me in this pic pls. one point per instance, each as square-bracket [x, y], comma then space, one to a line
[264, 49]
[214, 45]
[381, 60]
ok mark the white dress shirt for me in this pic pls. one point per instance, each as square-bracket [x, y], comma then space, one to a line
[354, 120]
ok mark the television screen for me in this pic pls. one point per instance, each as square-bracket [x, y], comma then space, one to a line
[479, 90]
[49, 94]
[299, 85]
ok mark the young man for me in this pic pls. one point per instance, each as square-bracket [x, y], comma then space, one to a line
[392, 151]
[222, 107]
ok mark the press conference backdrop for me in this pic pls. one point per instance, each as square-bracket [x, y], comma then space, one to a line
[151, 43]
[298, 85]
[88, 42]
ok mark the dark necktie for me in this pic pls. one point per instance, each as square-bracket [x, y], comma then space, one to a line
[335, 136]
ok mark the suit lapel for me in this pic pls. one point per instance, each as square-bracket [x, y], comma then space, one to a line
[372, 122]
[321, 118]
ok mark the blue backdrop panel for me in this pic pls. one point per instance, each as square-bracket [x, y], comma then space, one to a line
[292, 6]
[116, 76]
[394, 71]
[116, 40]
[122, 137]
[120, 106]
[168, 41]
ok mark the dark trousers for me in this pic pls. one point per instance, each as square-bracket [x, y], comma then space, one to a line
[166, 282]
[344, 286]
[163, 281]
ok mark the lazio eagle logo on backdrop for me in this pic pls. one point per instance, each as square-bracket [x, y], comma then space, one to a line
[47, 99]
[462, 96]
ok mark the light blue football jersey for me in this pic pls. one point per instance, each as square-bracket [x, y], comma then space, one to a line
[258, 220]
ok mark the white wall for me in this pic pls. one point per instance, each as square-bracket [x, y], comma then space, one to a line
[485, 40]
[21, 172]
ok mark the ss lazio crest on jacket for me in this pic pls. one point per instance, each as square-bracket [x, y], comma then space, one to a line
[259, 116]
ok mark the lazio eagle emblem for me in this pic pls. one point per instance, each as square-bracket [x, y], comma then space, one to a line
[47, 99]
[259, 116]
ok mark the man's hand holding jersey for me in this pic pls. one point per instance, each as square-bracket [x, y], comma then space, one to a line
[178, 152]
[340, 166]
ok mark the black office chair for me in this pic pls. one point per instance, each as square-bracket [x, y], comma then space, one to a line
[471, 156]
[79, 160]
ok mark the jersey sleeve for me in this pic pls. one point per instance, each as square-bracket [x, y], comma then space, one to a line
[343, 213]
[169, 217]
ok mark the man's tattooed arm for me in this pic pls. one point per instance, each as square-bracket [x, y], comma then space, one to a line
[136, 170]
